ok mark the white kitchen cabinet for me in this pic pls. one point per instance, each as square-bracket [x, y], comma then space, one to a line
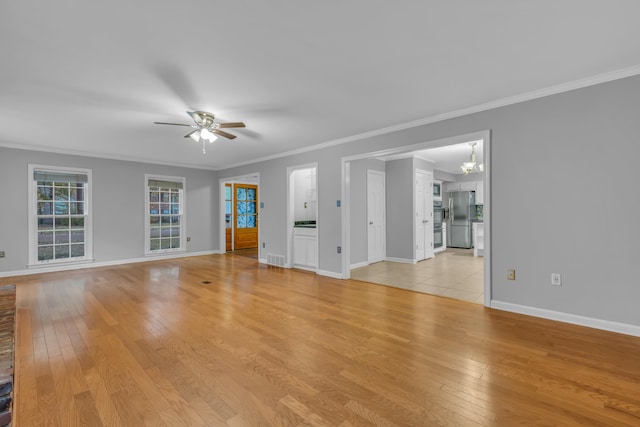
[305, 248]
[477, 231]
[461, 186]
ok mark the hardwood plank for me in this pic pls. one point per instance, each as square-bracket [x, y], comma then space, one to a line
[150, 344]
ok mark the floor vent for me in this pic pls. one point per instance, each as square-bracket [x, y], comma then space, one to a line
[277, 260]
[206, 282]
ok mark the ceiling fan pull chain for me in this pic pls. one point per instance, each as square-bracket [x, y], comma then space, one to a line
[204, 147]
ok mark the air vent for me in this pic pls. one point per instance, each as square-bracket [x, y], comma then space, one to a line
[277, 260]
[205, 282]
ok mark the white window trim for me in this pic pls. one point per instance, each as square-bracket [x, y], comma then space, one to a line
[33, 217]
[183, 222]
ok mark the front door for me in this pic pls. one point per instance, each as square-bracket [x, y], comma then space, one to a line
[376, 235]
[245, 201]
[424, 214]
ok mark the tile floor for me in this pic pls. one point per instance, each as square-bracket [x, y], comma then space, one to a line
[454, 273]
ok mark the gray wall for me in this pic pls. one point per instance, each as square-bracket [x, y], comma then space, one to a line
[358, 210]
[399, 194]
[118, 205]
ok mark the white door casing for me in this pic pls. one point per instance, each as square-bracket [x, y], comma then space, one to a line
[376, 226]
[424, 214]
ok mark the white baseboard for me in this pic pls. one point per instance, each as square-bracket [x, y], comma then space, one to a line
[79, 266]
[606, 325]
[403, 260]
[262, 260]
[331, 274]
[358, 265]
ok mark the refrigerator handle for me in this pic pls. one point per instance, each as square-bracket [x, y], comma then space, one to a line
[451, 214]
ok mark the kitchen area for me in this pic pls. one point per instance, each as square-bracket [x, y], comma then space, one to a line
[458, 209]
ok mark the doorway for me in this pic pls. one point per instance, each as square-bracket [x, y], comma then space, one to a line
[302, 217]
[458, 262]
[240, 214]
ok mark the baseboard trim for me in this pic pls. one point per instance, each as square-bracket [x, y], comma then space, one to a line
[402, 260]
[80, 266]
[331, 274]
[590, 322]
[358, 265]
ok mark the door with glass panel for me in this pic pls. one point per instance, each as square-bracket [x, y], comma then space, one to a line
[245, 203]
[228, 215]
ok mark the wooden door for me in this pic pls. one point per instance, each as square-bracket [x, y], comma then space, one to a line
[245, 207]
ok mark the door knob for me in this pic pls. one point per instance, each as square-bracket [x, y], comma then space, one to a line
[370, 222]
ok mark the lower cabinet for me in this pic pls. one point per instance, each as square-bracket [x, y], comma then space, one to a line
[305, 248]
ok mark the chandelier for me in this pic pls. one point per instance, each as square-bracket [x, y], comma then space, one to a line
[471, 166]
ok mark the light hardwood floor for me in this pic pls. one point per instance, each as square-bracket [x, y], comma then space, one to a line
[151, 344]
[454, 273]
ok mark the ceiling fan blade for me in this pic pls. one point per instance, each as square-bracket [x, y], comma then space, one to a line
[223, 133]
[196, 117]
[231, 125]
[172, 124]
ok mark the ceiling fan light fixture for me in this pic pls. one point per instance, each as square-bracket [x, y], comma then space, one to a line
[208, 135]
[195, 136]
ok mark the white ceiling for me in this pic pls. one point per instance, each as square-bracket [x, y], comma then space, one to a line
[92, 77]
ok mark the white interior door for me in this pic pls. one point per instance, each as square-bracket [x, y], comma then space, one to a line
[424, 214]
[376, 235]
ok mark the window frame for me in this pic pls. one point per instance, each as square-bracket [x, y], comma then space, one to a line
[147, 215]
[33, 216]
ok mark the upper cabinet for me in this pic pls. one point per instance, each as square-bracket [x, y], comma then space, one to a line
[477, 186]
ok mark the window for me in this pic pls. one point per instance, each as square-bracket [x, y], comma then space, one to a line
[60, 222]
[164, 231]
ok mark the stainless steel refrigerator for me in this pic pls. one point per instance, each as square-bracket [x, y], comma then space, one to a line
[461, 206]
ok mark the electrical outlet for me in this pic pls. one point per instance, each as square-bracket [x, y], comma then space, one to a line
[1, 254]
[339, 249]
[511, 275]
[264, 245]
[556, 279]
[188, 239]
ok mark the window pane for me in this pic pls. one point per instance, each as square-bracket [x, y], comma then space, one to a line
[154, 232]
[62, 223]
[175, 243]
[45, 208]
[45, 253]
[165, 220]
[77, 236]
[62, 237]
[165, 243]
[62, 208]
[45, 238]
[165, 197]
[154, 196]
[165, 208]
[77, 222]
[175, 220]
[227, 221]
[45, 193]
[62, 251]
[227, 192]
[175, 209]
[61, 193]
[251, 194]
[241, 208]
[154, 220]
[175, 196]
[165, 232]
[154, 244]
[227, 207]
[251, 207]
[45, 223]
[154, 209]
[79, 208]
[175, 231]
[241, 221]
[251, 221]
[241, 193]
[77, 250]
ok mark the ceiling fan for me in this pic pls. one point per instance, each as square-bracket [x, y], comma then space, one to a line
[205, 128]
